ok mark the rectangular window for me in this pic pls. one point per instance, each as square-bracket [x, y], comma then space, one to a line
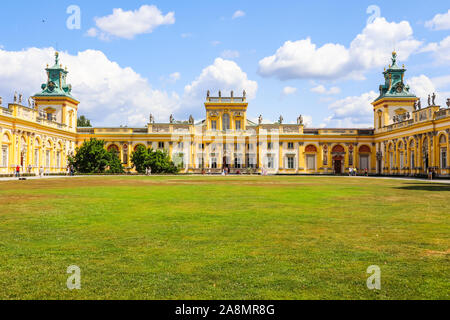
[443, 158]
[213, 125]
[4, 156]
[58, 159]
[237, 163]
[238, 124]
[251, 161]
[364, 163]
[250, 147]
[270, 162]
[160, 145]
[47, 158]
[311, 162]
[201, 162]
[213, 163]
[291, 145]
[401, 160]
[36, 157]
[270, 145]
[391, 160]
[180, 145]
[412, 164]
[291, 162]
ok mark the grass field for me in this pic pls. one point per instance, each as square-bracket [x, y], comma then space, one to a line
[224, 238]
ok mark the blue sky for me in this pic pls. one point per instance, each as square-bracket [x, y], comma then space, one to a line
[329, 78]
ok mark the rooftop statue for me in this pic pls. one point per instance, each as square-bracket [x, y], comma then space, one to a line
[1, 101]
[260, 119]
[152, 120]
[281, 120]
[429, 100]
[448, 103]
[15, 97]
[300, 120]
[434, 99]
[208, 94]
[191, 120]
[20, 98]
[172, 119]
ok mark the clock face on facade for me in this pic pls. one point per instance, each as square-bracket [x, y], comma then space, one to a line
[51, 85]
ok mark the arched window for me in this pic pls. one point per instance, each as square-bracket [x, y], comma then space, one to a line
[402, 155]
[311, 157]
[364, 149]
[412, 163]
[115, 150]
[226, 121]
[443, 151]
[311, 148]
[338, 149]
[5, 151]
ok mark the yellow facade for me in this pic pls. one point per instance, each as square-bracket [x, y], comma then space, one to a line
[406, 140]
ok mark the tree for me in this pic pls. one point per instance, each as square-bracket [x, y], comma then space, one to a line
[158, 161]
[92, 157]
[140, 159]
[83, 122]
[115, 166]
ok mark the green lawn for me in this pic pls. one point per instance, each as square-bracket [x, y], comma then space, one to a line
[224, 238]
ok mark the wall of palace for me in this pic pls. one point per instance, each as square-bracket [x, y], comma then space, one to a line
[406, 140]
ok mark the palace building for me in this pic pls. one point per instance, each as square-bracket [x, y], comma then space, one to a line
[407, 139]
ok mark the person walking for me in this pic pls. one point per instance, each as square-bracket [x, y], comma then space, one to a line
[72, 170]
[18, 171]
[41, 172]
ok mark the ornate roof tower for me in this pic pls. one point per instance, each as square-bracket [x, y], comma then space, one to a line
[56, 85]
[394, 85]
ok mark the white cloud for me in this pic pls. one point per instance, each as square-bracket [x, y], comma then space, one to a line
[92, 32]
[422, 86]
[128, 24]
[440, 51]
[289, 90]
[238, 14]
[371, 48]
[439, 22]
[230, 54]
[355, 111]
[175, 76]
[215, 43]
[109, 94]
[224, 75]
[320, 89]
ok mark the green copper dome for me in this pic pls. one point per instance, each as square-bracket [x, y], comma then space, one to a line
[394, 86]
[56, 85]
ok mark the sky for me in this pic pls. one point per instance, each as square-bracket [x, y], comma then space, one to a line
[320, 59]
